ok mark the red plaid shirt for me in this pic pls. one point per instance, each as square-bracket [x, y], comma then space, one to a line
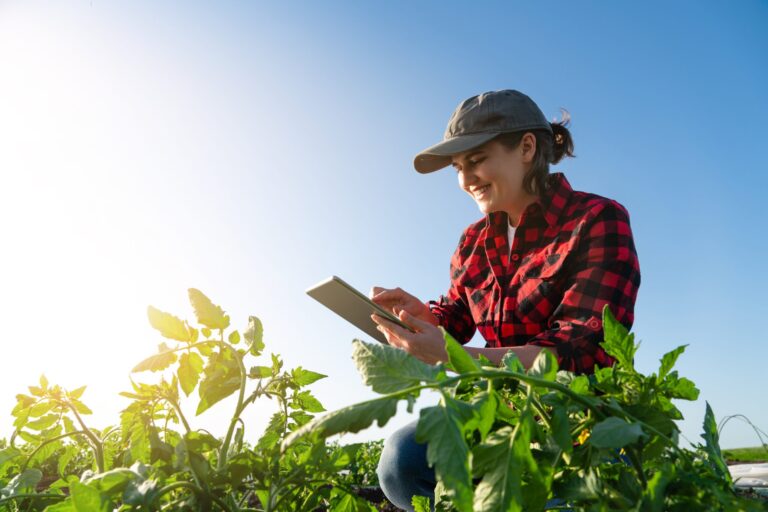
[572, 254]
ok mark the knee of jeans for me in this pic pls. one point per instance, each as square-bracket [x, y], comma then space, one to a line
[394, 469]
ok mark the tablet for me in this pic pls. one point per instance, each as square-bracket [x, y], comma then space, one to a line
[352, 306]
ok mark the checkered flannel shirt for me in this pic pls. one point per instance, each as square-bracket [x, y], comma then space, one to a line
[572, 254]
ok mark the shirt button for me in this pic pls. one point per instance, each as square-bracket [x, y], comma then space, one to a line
[594, 324]
[515, 257]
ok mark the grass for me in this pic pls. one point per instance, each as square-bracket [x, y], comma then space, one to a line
[756, 454]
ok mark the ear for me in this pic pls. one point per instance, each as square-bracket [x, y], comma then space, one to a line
[528, 145]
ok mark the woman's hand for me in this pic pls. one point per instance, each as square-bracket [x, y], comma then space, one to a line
[426, 343]
[397, 300]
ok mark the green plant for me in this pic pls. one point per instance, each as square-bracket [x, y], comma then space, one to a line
[155, 459]
[601, 442]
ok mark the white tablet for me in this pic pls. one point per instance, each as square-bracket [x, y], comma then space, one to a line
[352, 306]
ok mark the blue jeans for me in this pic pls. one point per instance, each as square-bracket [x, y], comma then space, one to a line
[403, 471]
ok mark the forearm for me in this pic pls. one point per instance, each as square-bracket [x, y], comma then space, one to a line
[527, 353]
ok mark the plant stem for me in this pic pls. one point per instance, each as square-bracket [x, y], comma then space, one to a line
[194, 488]
[238, 409]
[47, 441]
[98, 448]
[40, 495]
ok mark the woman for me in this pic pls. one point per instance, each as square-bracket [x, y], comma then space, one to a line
[533, 274]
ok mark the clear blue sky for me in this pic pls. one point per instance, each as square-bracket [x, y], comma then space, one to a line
[253, 149]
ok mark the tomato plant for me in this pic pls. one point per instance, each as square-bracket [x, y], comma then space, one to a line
[507, 439]
[155, 459]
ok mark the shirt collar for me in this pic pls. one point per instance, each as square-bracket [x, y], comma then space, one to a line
[551, 203]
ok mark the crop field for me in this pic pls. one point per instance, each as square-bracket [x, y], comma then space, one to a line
[502, 438]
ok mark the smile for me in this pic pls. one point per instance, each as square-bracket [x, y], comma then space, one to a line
[480, 191]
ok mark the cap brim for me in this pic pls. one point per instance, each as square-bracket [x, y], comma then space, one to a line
[439, 155]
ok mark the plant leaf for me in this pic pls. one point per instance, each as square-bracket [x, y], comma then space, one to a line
[544, 366]
[712, 439]
[169, 326]
[157, 362]
[669, 359]
[388, 369]
[442, 428]
[221, 379]
[207, 313]
[190, 366]
[348, 419]
[254, 335]
[304, 377]
[619, 343]
[458, 358]
[614, 432]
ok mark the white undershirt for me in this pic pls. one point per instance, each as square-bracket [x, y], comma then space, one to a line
[510, 235]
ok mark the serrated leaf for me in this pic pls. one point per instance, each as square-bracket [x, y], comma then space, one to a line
[458, 358]
[207, 312]
[24, 481]
[512, 363]
[511, 478]
[8, 454]
[260, 372]
[221, 378]
[77, 393]
[254, 335]
[43, 422]
[442, 428]
[308, 402]
[304, 377]
[157, 362]
[41, 408]
[682, 388]
[43, 382]
[561, 428]
[619, 343]
[484, 405]
[190, 366]
[712, 447]
[388, 369]
[348, 419]
[544, 366]
[80, 406]
[87, 499]
[69, 453]
[614, 432]
[169, 326]
[669, 359]
[234, 338]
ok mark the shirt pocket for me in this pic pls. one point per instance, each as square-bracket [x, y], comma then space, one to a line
[540, 287]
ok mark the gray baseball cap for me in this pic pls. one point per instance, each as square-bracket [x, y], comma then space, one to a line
[478, 120]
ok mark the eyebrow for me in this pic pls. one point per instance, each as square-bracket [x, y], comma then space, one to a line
[468, 156]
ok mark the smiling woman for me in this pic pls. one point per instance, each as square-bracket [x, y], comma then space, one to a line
[534, 274]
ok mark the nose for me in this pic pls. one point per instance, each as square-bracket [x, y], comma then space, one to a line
[466, 178]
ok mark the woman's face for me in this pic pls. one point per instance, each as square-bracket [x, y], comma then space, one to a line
[493, 175]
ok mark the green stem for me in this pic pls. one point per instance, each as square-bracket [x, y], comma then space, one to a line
[194, 488]
[40, 495]
[635, 459]
[238, 410]
[183, 419]
[98, 447]
[47, 441]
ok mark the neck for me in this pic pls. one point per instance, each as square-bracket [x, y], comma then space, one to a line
[514, 214]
